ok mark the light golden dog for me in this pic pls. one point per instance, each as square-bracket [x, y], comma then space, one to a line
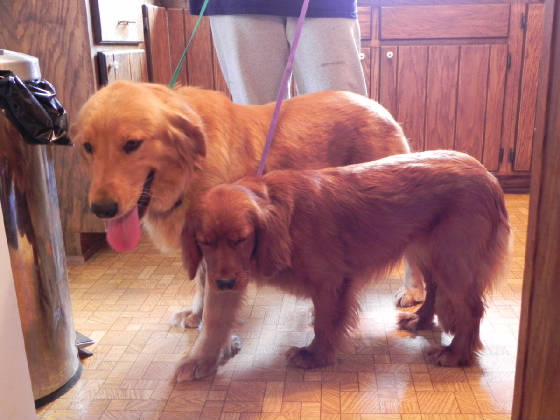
[323, 234]
[152, 151]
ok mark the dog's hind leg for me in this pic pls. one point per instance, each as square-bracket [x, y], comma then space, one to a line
[412, 290]
[191, 318]
[459, 314]
[215, 344]
[423, 317]
[336, 312]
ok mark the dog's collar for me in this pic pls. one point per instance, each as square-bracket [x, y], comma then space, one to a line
[166, 213]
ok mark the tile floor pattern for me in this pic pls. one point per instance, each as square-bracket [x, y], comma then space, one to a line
[124, 302]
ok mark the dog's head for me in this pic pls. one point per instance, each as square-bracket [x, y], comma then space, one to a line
[237, 230]
[143, 144]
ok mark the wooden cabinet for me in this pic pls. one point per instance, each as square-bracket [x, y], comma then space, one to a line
[459, 76]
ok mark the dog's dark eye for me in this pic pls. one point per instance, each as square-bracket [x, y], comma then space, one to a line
[131, 145]
[238, 241]
[203, 243]
[88, 148]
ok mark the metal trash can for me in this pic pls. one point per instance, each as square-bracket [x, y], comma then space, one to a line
[31, 217]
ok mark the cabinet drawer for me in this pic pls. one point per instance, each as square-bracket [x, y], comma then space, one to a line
[364, 19]
[445, 21]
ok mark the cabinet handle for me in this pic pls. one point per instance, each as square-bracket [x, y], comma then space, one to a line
[362, 56]
[389, 54]
[125, 22]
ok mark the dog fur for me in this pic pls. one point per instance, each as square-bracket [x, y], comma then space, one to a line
[193, 139]
[323, 234]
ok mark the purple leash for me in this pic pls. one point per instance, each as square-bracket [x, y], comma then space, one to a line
[283, 88]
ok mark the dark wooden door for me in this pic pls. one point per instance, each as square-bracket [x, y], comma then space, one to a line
[447, 96]
[529, 84]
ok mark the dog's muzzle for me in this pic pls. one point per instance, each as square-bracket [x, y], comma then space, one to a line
[225, 284]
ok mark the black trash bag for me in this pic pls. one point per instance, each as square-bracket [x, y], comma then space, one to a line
[33, 109]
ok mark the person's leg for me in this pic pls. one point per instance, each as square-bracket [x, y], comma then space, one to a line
[328, 55]
[252, 50]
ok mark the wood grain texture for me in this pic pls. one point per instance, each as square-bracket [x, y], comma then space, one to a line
[138, 66]
[374, 73]
[366, 66]
[219, 80]
[494, 107]
[156, 35]
[471, 99]
[364, 20]
[443, 68]
[445, 21]
[515, 49]
[411, 93]
[537, 380]
[176, 27]
[388, 61]
[59, 37]
[529, 87]
[122, 65]
[199, 58]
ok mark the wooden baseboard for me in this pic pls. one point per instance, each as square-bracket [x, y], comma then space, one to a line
[515, 184]
[90, 242]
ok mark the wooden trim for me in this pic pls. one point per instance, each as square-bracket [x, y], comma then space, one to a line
[442, 21]
[515, 184]
[537, 380]
[528, 92]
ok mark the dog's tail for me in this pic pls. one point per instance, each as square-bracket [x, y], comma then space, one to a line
[494, 265]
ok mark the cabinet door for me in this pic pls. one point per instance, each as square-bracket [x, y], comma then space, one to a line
[529, 86]
[447, 96]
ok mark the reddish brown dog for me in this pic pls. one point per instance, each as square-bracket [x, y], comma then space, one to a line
[151, 151]
[323, 234]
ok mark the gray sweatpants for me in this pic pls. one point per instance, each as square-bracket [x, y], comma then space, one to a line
[253, 51]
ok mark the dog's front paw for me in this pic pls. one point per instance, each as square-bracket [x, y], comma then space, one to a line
[231, 349]
[186, 319]
[408, 322]
[192, 369]
[404, 298]
[446, 356]
[304, 358]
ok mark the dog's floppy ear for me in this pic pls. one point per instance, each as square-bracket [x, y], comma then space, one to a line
[192, 256]
[273, 247]
[187, 135]
[185, 127]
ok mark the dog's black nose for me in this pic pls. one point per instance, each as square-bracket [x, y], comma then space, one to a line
[225, 284]
[105, 210]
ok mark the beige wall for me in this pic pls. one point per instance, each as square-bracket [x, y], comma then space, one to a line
[16, 397]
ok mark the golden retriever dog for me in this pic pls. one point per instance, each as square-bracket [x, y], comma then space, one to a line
[323, 234]
[152, 151]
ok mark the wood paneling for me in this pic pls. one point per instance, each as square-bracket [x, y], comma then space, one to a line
[177, 35]
[445, 21]
[156, 36]
[443, 68]
[374, 53]
[366, 66]
[529, 83]
[494, 107]
[388, 61]
[219, 81]
[537, 380]
[122, 65]
[200, 53]
[58, 36]
[471, 99]
[515, 50]
[411, 93]
[364, 20]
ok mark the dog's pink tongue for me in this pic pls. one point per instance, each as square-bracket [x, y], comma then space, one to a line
[123, 234]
